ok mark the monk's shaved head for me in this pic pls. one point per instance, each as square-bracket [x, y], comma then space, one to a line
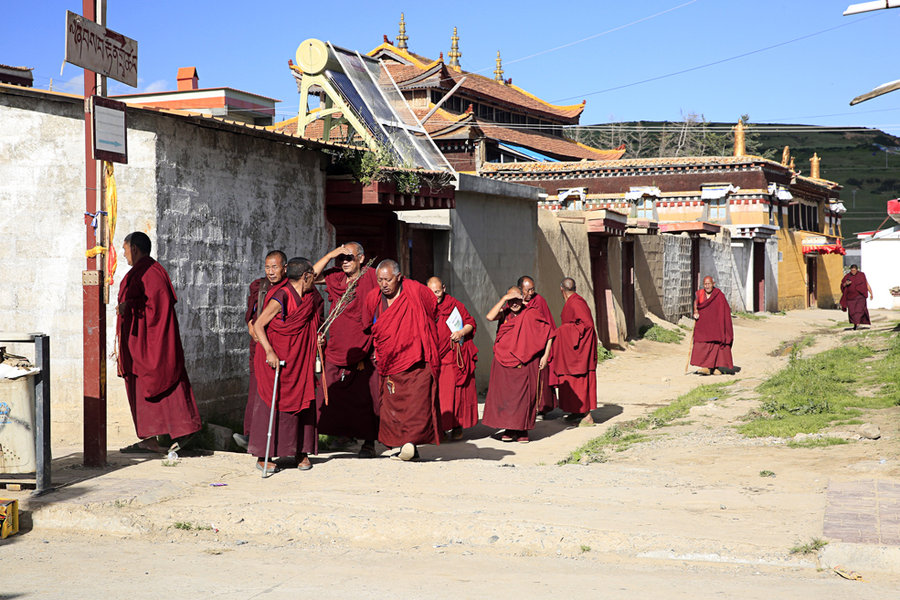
[358, 246]
[139, 240]
[523, 279]
[278, 254]
[568, 284]
[390, 265]
[514, 289]
[437, 286]
[297, 267]
[708, 278]
[435, 280]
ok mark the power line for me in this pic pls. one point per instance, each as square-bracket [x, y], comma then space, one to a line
[717, 62]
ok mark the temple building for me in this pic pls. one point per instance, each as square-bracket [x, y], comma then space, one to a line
[769, 236]
[474, 119]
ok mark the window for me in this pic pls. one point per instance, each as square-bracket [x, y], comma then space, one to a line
[643, 208]
[718, 209]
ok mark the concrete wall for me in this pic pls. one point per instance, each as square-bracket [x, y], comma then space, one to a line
[718, 260]
[493, 242]
[563, 251]
[677, 288]
[213, 200]
[879, 262]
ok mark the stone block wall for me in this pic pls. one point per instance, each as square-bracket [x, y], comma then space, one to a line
[677, 285]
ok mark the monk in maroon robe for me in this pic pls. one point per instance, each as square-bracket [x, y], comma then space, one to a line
[150, 355]
[549, 383]
[575, 356]
[275, 267]
[521, 354]
[456, 385]
[286, 329]
[713, 332]
[402, 316]
[349, 373]
[854, 289]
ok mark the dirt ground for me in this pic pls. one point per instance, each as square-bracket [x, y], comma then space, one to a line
[685, 514]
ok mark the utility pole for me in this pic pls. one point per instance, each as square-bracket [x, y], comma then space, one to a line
[93, 279]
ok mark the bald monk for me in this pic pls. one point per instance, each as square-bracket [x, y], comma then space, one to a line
[521, 354]
[854, 289]
[575, 356]
[275, 267]
[530, 296]
[401, 315]
[456, 385]
[352, 409]
[713, 332]
[150, 355]
[286, 330]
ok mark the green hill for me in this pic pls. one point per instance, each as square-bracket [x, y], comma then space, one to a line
[865, 162]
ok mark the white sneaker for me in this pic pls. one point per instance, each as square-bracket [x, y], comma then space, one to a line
[241, 440]
[408, 451]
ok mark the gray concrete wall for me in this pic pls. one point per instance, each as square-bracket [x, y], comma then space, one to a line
[677, 285]
[493, 243]
[563, 251]
[213, 201]
[717, 260]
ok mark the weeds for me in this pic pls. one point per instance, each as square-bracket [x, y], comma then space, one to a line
[585, 548]
[656, 333]
[811, 547]
[750, 316]
[604, 354]
[621, 436]
[810, 394]
[188, 526]
[817, 442]
[766, 473]
[793, 347]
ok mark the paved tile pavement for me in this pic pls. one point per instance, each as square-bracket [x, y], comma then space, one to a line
[863, 512]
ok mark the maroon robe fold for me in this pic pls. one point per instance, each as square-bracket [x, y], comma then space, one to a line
[456, 385]
[548, 382]
[292, 334]
[352, 409]
[257, 287]
[575, 357]
[854, 292]
[405, 338]
[713, 332]
[151, 358]
[511, 401]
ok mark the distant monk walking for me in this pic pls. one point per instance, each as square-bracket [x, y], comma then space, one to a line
[275, 267]
[532, 298]
[456, 385]
[352, 409]
[854, 289]
[286, 330]
[713, 332]
[151, 358]
[521, 353]
[575, 356]
[402, 316]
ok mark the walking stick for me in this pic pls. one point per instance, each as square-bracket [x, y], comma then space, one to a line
[322, 374]
[687, 365]
[271, 418]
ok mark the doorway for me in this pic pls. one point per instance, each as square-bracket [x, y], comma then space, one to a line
[628, 288]
[811, 281]
[759, 276]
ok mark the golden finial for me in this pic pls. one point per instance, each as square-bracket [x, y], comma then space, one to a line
[786, 156]
[739, 148]
[454, 53]
[402, 38]
[498, 72]
[791, 166]
[814, 166]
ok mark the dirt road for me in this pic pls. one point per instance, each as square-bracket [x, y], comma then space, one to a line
[684, 515]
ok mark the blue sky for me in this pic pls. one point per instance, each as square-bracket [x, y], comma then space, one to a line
[561, 51]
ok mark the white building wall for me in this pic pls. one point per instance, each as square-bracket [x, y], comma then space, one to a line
[880, 260]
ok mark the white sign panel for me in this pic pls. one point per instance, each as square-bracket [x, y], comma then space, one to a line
[101, 50]
[110, 141]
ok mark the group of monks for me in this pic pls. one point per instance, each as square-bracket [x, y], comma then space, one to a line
[394, 361]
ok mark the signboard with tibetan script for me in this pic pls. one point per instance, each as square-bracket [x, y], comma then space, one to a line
[109, 130]
[101, 50]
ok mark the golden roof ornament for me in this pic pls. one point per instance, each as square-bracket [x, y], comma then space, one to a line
[786, 156]
[498, 72]
[739, 142]
[402, 38]
[454, 53]
[814, 166]
[791, 166]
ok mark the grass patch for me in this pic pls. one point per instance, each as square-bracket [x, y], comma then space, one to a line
[585, 548]
[620, 437]
[188, 526]
[332, 443]
[661, 334]
[813, 546]
[766, 473]
[749, 315]
[821, 442]
[810, 394]
[793, 347]
[604, 354]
